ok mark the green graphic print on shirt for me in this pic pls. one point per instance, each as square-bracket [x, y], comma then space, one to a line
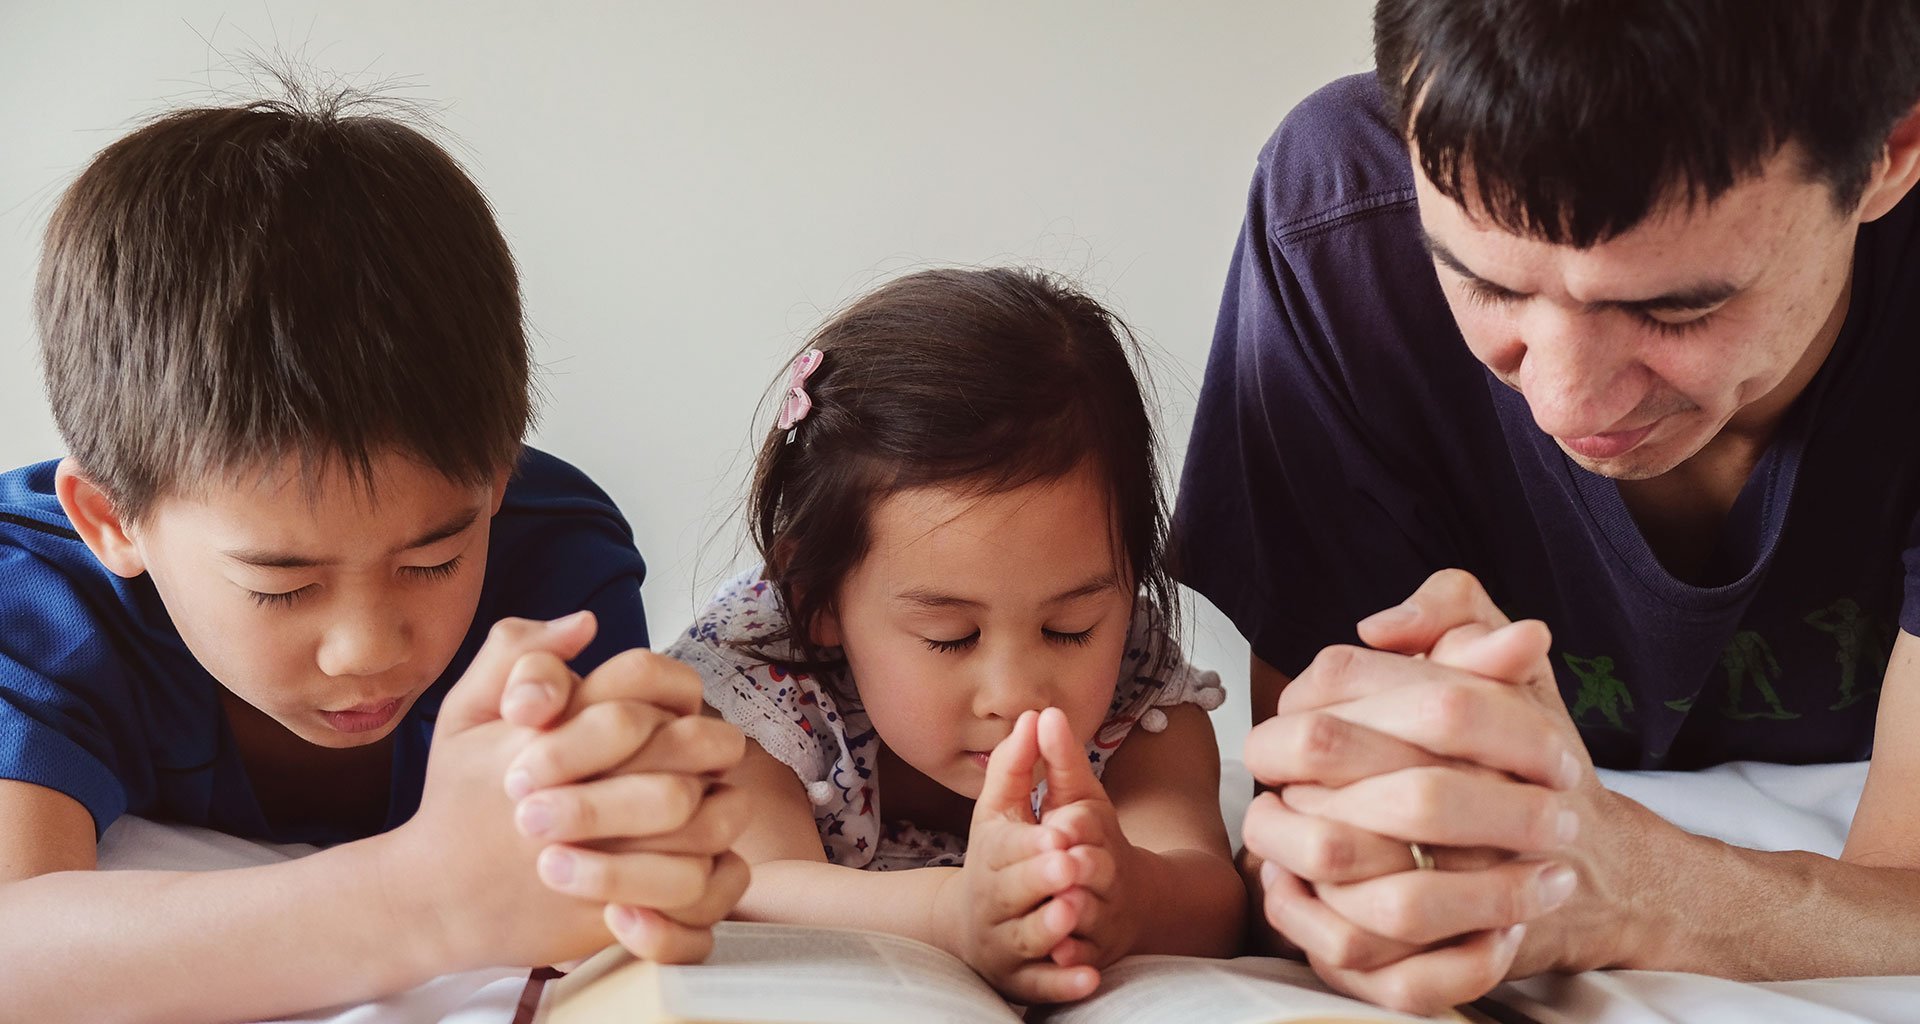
[1862, 645]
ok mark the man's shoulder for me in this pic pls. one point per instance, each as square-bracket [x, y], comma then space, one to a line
[1335, 157]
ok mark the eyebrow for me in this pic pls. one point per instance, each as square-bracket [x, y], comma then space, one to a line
[1705, 295]
[285, 560]
[927, 598]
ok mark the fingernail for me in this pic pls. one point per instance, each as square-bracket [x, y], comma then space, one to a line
[1392, 618]
[556, 867]
[566, 622]
[1510, 939]
[1569, 774]
[1555, 885]
[535, 817]
[1569, 827]
[625, 918]
[519, 783]
[1268, 872]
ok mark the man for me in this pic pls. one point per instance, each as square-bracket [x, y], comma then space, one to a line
[1600, 314]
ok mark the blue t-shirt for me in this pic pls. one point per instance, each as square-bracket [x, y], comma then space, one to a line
[100, 699]
[1347, 445]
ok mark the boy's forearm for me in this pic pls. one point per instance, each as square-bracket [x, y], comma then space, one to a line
[248, 943]
[832, 896]
[1193, 903]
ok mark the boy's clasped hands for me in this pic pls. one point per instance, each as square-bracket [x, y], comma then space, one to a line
[559, 810]
[1044, 900]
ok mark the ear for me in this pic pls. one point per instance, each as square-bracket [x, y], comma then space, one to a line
[96, 521]
[500, 480]
[826, 628]
[1895, 173]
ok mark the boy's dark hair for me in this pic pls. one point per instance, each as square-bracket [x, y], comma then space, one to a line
[228, 286]
[1573, 120]
[989, 379]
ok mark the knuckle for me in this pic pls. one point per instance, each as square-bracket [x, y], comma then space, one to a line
[1396, 913]
[710, 741]
[577, 815]
[728, 743]
[672, 800]
[727, 819]
[1335, 662]
[1426, 795]
[681, 879]
[622, 721]
[622, 670]
[1452, 707]
[1400, 992]
[1331, 853]
[1513, 903]
[1322, 738]
[1345, 949]
[508, 631]
[1453, 583]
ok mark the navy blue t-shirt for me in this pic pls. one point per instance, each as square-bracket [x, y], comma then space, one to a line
[100, 699]
[1347, 445]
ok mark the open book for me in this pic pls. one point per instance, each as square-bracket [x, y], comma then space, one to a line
[765, 973]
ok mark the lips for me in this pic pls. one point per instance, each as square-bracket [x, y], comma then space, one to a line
[364, 717]
[1609, 445]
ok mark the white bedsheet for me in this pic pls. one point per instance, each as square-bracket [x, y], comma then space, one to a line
[1768, 807]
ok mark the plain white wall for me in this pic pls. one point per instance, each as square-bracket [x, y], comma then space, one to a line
[689, 187]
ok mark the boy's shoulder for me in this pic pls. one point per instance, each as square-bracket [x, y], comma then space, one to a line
[42, 560]
[556, 532]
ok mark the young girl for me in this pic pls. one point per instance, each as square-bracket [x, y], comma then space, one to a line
[960, 516]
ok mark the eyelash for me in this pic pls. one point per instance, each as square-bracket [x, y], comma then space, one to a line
[1080, 639]
[430, 573]
[1492, 298]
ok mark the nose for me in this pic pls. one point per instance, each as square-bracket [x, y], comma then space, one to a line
[366, 642]
[1578, 376]
[1011, 685]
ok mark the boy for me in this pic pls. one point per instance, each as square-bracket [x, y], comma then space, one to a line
[285, 350]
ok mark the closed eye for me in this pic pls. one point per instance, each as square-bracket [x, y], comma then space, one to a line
[1674, 328]
[952, 646]
[1484, 294]
[280, 600]
[1080, 639]
[434, 572]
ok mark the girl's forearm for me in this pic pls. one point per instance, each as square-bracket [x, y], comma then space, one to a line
[905, 903]
[1192, 903]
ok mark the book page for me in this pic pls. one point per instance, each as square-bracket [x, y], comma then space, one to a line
[794, 975]
[1250, 990]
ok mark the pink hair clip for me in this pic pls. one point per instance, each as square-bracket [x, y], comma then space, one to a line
[798, 403]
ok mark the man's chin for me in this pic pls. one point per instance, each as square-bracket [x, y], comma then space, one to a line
[1656, 456]
[1628, 467]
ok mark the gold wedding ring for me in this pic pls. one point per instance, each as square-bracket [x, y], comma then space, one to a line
[1422, 860]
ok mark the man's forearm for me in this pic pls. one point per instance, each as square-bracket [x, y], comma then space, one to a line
[194, 946]
[1683, 902]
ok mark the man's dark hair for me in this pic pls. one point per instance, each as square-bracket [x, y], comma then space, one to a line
[226, 287]
[1573, 120]
[985, 380]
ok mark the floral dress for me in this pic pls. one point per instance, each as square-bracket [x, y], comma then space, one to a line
[815, 725]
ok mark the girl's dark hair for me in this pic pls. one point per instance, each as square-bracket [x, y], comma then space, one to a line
[1573, 120]
[992, 379]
